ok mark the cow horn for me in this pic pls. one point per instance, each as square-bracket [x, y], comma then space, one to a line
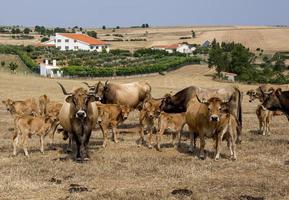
[263, 108]
[201, 101]
[269, 92]
[88, 85]
[227, 101]
[64, 90]
[105, 84]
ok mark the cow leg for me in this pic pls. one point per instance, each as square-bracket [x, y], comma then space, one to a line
[24, 144]
[104, 132]
[15, 143]
[141, 134]
[115, 133]
[192, 141]
[268, 123]
[202, 147]
[86, 141]
[150, 133]
[78, 144]
[41, 143]
[264, 126]
[219, 142]
[159, 137]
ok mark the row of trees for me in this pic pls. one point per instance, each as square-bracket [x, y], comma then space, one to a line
[236, 58]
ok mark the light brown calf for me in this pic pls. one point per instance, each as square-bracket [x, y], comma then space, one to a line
[265, 118]
[111, 115]
[149, 112]
[27, 107]
[177, 121]
[26, 126]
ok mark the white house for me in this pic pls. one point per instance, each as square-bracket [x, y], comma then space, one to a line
[76, 41]
[228, 76]
[51, 71]
[182, 48]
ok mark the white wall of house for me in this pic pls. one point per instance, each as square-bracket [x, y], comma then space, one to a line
[65, 43]
[184, 48]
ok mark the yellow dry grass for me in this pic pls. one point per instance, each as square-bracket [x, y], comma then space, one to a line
[125, 171]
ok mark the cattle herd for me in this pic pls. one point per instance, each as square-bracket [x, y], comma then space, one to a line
[209, 113]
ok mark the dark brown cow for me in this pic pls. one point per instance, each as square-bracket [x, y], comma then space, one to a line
[277, 100]
[77, 117]
[130, 94]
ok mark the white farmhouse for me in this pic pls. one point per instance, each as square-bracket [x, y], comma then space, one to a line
[181, 48]
[76, 41]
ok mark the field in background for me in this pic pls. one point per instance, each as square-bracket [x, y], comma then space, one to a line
[270, 39]
[124, 171]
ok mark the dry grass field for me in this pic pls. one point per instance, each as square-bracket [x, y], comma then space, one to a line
[125, 171]
[269, 38]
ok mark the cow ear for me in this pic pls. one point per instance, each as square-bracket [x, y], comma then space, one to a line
[278, 91]
[92, 98]
[69, 99]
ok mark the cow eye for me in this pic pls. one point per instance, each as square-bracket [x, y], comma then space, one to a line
[209, 108]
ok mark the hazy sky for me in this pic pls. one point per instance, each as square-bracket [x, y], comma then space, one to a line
[95, 13]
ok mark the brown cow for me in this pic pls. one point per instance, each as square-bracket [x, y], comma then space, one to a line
[150, 110]
[130, 94]
[26, 126]
[27, 107]
[176, 120]
[179, 102]
[211, 118]
[77, 117]
[111, 115]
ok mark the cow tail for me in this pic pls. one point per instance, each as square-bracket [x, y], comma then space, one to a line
[239, 115]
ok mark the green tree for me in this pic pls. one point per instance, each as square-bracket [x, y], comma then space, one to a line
[193, 34]
[44, 39]
[26, 31]
[13, 66]
[103, 27]
[92, 34]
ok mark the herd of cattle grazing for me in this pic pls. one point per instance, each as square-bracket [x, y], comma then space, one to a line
[209, 113]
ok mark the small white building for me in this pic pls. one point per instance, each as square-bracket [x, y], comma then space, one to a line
[76, 41]
[181, 48]
[51, 71]
[228, 76]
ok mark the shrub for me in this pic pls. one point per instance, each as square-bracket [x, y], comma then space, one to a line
[2, 63]
[13, 66]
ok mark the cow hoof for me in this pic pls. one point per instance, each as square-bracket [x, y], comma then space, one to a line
[150, 146]
[216, 159]
[68, 150]
[159, 149]
[202, 157]
[191, 150]
[86, 159]
[233, 158]
[78, 159]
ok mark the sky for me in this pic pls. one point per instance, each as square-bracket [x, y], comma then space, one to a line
[125, 13]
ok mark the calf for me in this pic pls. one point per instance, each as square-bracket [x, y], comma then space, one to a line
[27, 107]
[111, 115]
[265, 118]
[177, 121]
[26, 126]
[149, 112]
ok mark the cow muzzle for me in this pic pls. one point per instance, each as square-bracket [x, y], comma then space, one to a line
[81, 114]
[214, 118]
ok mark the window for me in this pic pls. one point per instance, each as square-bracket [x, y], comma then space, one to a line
[91, 47]
[58, 47]
[75, 47]
[59, 40]
[66, 40]
[75, 41]
[66, 47]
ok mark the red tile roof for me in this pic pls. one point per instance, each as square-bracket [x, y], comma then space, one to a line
[84, 38]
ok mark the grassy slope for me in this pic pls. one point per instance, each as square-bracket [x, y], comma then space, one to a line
[13, 58]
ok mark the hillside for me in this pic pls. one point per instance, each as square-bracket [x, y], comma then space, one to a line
[22, 68]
